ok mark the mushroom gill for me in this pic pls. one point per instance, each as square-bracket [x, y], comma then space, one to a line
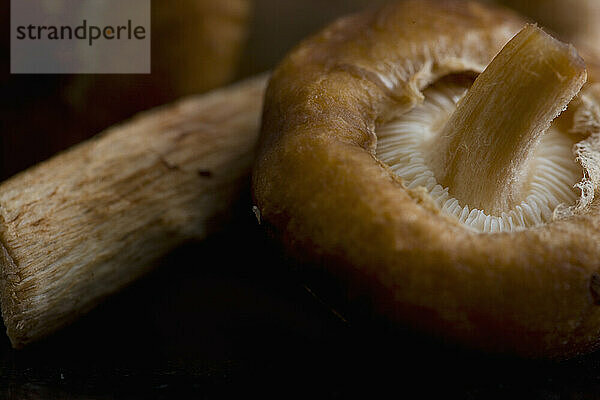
[405, 144]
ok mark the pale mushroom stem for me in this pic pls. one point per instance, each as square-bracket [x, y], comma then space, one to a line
[482, 155]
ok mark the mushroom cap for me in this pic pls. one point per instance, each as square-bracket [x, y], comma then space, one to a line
[321, 189]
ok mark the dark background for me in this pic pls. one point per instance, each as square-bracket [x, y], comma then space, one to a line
[211, 322]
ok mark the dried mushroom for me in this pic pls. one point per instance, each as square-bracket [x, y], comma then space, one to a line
[414, 151]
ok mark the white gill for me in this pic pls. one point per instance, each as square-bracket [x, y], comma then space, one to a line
[402, 145]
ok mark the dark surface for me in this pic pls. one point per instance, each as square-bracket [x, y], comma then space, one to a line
[213, 323]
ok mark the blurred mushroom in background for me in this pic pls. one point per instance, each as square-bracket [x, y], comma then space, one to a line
[575, 21]
[276, 26]
[196, 45]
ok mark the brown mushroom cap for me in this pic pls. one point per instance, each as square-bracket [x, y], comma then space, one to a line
[318, 184]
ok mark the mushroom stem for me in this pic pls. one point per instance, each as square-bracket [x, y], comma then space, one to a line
[86, 223]
[483, 152]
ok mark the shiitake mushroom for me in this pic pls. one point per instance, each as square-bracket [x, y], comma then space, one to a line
[416, 151]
